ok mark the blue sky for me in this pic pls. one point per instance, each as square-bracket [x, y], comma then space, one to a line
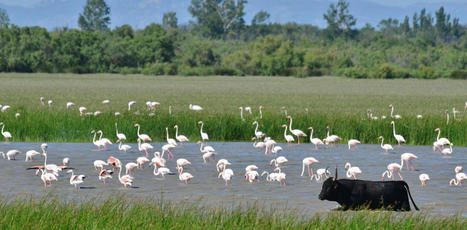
[139, 13]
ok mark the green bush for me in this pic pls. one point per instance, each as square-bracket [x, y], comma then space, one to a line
[427, 72]
[390, 71]
[356, 72]
[458, 74]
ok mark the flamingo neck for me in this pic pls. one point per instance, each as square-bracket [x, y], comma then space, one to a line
[116, 129]
[394, 129]
[392, 111]
[156, 172]
[139, 145]
[348, 173]
[120, 146]
[201, 146]
[328, 132]
[439, 132]
[290, 124]
[94, 138]
[176, 131]
[201, 131]
[260, 114]
[402, 163]
[382, 140]
[138, 130]
[241, 113]
[119, 173]
[311, 134]
[167, 132]
[3, 126]
[285, 131]
[100, 137]
[256, 129]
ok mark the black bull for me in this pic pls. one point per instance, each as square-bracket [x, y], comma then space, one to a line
[356, 194]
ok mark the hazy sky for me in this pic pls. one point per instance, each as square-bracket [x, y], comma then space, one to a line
[139, 13]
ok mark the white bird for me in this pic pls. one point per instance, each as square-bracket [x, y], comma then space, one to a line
[104, 141]
[76, 179]
[397, 116]
[42, 99]
[50, 102]
[161, 171]
[423, 178]
[82, 109]
[447, 151]
[158, 159]
[122, 146]
[258, 134]
[184, 176]
[171, 141]
[252, 176]
[195, 107]
[226, 175]
[391, 168]
[182, 162]
[99, 164]
[321, 174]
[407, 157]
[331, 139]
[5, 134]
[141, 161]
[308, 161]
[443, 140]
[66, 161]
[352, 143]
[11, 154]
[297, 132]
[279, 161]
[288, 138]
[129, 167]
[105, 174]
[248, 109]
[143, 137]
[208, 156]
[106, 102]
[131, 104]
[398, 137]
[180, 138]
[30, 154]
[352, 171]
[269, 143]
[126, 180]
[458, 180]
[458, 169]
[167, 148]
[258, 144]
[144, 147]
[204, 136]
[222, 164]
[276, 149]
[120, 136]
[69, 105]
[315, 141]
[5, 108]
[386, 147]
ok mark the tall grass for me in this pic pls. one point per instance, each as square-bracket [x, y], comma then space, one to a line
[115, 213]
[43, 125]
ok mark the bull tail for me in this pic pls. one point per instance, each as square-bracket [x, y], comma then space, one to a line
[408, 191]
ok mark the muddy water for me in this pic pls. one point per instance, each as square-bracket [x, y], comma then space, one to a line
[299, 193]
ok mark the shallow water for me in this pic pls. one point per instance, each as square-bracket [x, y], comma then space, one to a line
[299, 193]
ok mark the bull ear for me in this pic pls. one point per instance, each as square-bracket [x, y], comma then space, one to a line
[335, 175]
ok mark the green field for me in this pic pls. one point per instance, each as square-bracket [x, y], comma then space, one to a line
[114, 213]
[338, 102]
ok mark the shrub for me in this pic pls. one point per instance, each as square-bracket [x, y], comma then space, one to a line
[427, 72]
[356, 72]
[458, 74]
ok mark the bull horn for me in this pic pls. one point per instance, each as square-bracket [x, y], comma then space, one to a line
[335, 176]
[326, 172]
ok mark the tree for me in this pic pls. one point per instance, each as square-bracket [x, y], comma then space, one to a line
[405, 26]
[169, 20]
[4, 19]
[260, 18]
[95, 16]
[340, 21]
[218, 17]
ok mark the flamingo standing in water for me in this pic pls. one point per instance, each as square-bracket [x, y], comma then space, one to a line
[105, 174]
[386, 147]
[321, 174]
[423, 178]
[76, 179]
[222, 164]
[46, 177]
[407, 157]
[258, 144]
[159, 170]
[352, 171]
[204, 136]
[331, 139]
[315, 141]
[99, 164]
[141, 161]
[226, 174]
[184, 176]
[308, 161]
[104, 141]
[11, 154]
[143, 137]
[297, 132]
[126, 180]
[144, 147]
[120, 136]
[97, 143]
[167, 148]
[180, 138]
[447, 151]
[170, 140]
[391, 168]
[288, 138]
[258, 134]
[440, 141]
[398, 137]
[352, 143]
[182, 162]
[279, 161]
[5, 134]
[460, 176]
[122, 146]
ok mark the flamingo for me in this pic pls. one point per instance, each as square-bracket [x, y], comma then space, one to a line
[66, 161]
[171, 141]
[11, 154]
[397, 116]
[308, 161]
[251, 168]
[288, 138]
[167, 148]
[69, 104]
[280, 176]
[352, 143]
[447, 151]
[180, 138]
[97, 143]
[17, 115]
[5, 108]
[443, 140]
[423, 178]
[276, 149]
[161, 171]
[407, 157]
[104, 174]
[50, 102]
[321, 174]
[391, 168]
[258, 144]
[297, 132]
[204, 136]
[258, 134]
[184, 176]
[332, 138]
[261, 111]
[126, 180]
[129, 167]
[222, 164]
[386, 147]
[131, 104]
[315, 141]
[158, 159]
[279, 161]
[31, 153]
[458, 180]
[5, 134]
[241, 113]
[398, 137]
[208, 156]
[352, 171]
[82, 110]
[419, 116]
[114, 161]
[252, 176]
[248, 109]
[144, 147]
[269, 143]
[226, 174]
[104, 141]
[182, 162]
[143, 137]
[48, 167]
[42, 99]
[120, 136]
[205, 148]
[270, 176]
[76, 179]
[99, 164]
[123, 147]
[106, 102]
[447, 117]
[47, 178]
[195, 107]
[140, 161]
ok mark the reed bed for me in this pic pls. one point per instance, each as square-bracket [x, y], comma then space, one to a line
[118, 213]
[318, 102]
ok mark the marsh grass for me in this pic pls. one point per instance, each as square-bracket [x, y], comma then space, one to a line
[337, 102]
[117, 213]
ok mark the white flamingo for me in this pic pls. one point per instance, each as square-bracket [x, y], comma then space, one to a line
[181, 163]
[279, 161]
[184, 176]
[423, 178]
[11, 154]
[222, 164]
[143, 137]
[120, 136]
[288, 138]
[407, 157]
[105, 174]
[144, 147]
[31, 153]
[180, 138]
[398, 137]
[126, 180]
[204, 136]
[76, 180]
[99, 164]
[258, 144]
[443, 140]
[352, 143]
[123, 147]
[308, 161]
[5, 134]
[321, 174]
[397, 116]
[258, 134]
[352, 171]
[447, 151]
[131, 104]
[391, 168]
[69, 104]
[386, 147]
[226, 175]
[297, 132]
[315, 141]
[195, 107]
[331, 139]
[170, 140]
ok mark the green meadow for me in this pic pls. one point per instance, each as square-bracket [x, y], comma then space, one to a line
[338, 102]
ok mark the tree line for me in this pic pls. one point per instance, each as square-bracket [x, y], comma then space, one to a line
[220, 42]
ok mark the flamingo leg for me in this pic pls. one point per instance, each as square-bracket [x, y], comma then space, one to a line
[400, 175]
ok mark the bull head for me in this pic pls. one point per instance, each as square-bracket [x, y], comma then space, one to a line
[335, 175]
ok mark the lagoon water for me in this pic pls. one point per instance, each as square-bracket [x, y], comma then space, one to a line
[299, 194]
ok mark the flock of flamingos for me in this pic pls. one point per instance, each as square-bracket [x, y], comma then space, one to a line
[105, 168]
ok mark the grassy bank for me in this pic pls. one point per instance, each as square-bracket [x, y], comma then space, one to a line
[340, 103]
[117, 214]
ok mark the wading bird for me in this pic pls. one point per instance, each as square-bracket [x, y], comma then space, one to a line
[204, 136]
[423, 178]
[120, 136]
[315, 141]
[386, 147]
[288, 138]
[5, 134]
[180, 138]
[308, 161]
[331, 139]
[297, 132]
[352, 171]
[399, 138]
[391, 168]
[407, 157]
[195, 107]
[76, 180]
[143, 137]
